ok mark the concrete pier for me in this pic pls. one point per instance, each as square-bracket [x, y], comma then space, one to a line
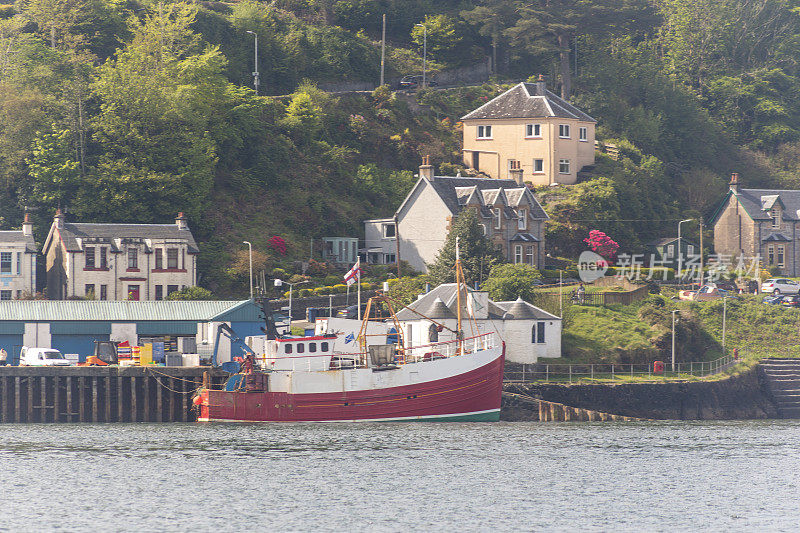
[101, 394]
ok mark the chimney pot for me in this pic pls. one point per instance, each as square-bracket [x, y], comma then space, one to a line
[734, 184]
[180, 221]
[59, 219]
[27, 225]
[426, 169]
[516, 173]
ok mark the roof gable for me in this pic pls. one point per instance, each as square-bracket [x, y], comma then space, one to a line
[75, 234]
[527, 100]
[487, 190]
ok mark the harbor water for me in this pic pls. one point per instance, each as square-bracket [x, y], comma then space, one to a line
[635, 476]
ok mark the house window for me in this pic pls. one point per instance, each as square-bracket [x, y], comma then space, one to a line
[5, 295]
[89, 291]
[159, 259]
[388, 259]
[133, 258]
[171, 289]
[563, 131]
[5, 263]
[104, 292]
[484, 132]
[529, 255]
[103, 257]
[172, 258]
[159, 292]
[689, 250]
[88, 253]
[517, 253]
[522, 219]
[780, 256]
[389, 231]
[498, 221]
[538, 165]
[533, 130]
[512, 164]
[540, 333]
[19, 263]
[776, 218]
[582, 134]
[563, 166]
[670, 251]
[771, 254]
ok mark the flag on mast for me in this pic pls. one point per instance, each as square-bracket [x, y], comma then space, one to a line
[354, 274]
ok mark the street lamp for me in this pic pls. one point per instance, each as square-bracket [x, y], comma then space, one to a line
[680, 253]
[278, 283]
[256, 79]
[424, 54]
[673, 339]
[250, 249]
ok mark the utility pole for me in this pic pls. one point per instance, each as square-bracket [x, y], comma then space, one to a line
[724, 316]
[702, 274]
[256, 76]
[673, 339]
[383, 50]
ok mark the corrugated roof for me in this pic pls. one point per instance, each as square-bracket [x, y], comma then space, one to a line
[115, 311]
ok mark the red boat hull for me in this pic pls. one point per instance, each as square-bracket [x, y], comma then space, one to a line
[473, 395]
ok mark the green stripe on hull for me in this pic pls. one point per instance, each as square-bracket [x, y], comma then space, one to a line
[475, 417]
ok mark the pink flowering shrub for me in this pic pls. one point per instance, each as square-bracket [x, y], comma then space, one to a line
[602, 244]
[278, 244]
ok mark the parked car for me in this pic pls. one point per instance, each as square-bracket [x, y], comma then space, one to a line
[791, 300]
[706, 292]
[780, 286]
[42, 357]
[414, 81]
[772, 299]
[726, 285]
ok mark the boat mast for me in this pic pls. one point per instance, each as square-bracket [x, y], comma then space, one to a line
[459, 278]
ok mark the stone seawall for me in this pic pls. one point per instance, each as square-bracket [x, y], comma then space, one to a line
[744, 396]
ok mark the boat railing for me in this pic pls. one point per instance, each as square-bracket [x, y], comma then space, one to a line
[416, 354]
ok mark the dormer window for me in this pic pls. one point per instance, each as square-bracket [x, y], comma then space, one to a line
[484, 132]
[776, 217]
[533, 131]
[522, 219]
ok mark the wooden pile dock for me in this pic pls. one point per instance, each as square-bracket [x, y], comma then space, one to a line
[101, 394]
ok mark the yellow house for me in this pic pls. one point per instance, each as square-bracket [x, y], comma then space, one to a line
[550, 138]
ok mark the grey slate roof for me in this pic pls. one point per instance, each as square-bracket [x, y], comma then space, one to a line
[669, 240]
[524, 237]
[16, 236]
[777, 237]
[445, 295]
[755, 202]
[527, 100]
[450, 190]
[71, 232]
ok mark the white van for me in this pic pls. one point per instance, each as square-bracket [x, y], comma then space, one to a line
[42, 357]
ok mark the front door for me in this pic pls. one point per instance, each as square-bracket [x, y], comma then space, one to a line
[133, 293]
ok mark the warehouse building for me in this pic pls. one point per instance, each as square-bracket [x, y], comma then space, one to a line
[72, 326]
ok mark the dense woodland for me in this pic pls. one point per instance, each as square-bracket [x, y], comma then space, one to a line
[133, 110]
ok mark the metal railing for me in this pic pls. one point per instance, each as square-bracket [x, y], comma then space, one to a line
[528, 373]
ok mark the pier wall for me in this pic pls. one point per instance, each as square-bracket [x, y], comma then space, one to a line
[101, 394]
[744, 396]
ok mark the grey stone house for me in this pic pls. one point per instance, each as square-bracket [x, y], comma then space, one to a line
[760, 222]
[664, 252]
[510, 215]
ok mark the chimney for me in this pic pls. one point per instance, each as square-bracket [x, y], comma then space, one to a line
[541, 86]
[426, 170]
[180, 221]
[27, 226]
[735, 182]
[59, 219]
[516, 173]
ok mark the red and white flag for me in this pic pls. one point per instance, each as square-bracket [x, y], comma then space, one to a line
[354, 274]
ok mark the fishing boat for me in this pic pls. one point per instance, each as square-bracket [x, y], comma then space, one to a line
[307, 379]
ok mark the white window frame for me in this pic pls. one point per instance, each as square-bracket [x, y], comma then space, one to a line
[522, 219]
[781, 256]
[583, 134]
[133, 258]
[484, 131]
[497, 212]
[6, 295]
[518, 257]
[563, 131]
[771, 254]
[9, 262]
[540, 170]
[385, 232]
[533, 131]
[562, 165]
[529, 255]
[670, 251]
[776, 218]
[388, 259]
[689, 250]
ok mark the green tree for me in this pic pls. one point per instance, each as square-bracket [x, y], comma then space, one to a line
[191, 293]
[509, 282]
[303, 117]
[477, 254]
[443, 37]
[54, 169]
[405, 290]
[493, 18]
